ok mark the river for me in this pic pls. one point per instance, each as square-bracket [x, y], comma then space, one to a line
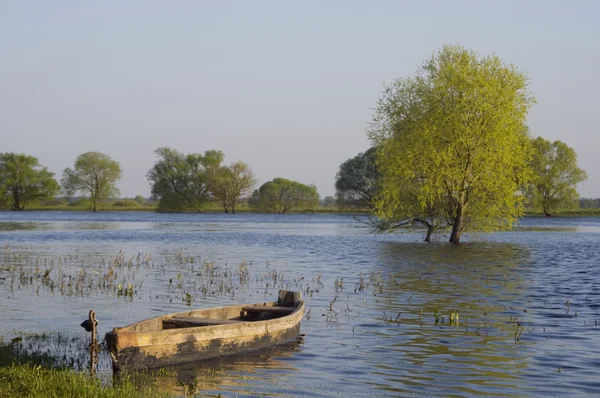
[379, 307]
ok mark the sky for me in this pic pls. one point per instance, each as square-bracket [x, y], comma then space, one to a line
[288, 87]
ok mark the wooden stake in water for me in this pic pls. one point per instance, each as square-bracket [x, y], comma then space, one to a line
[90, 325]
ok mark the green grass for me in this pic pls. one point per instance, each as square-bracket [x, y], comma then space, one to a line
[32, 375]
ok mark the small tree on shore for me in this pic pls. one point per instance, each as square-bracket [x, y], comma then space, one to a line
[281, 195]
[94, 175]
[231, 183]
[556, 176]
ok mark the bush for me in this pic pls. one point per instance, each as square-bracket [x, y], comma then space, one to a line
[83, 202]
[125, 203]
[54, 202]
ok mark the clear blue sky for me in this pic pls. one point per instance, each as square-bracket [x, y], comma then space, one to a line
[287, 87]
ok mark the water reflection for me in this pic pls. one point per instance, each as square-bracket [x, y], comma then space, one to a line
[265, 370]
[58, 226]
[484, 284]
[22, 226]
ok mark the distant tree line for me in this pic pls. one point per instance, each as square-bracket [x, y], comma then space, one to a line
[179, 182]
[589, 203]
[450, 151]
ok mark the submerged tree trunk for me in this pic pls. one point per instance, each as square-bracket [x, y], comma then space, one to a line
[429, 231]
[457, 226]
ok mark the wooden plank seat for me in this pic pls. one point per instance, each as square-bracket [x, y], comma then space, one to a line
[255, 309]
[191, 321]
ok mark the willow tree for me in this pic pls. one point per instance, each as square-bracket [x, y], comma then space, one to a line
[93, 175]
[452, 145]
[556, 176]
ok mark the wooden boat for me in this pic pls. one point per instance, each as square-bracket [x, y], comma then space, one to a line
[206, 333]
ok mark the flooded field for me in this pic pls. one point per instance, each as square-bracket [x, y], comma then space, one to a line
[509, 314]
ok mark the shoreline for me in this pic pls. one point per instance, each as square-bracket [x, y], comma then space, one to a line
[592, 212]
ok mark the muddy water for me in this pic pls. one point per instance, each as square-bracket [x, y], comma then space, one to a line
[383, 308]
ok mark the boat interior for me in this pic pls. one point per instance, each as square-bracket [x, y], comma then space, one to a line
[286, 303]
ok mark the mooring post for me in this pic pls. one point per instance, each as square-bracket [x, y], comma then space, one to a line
[94, 348]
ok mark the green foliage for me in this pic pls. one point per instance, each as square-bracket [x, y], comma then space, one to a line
[140, 199]
[182, 182]
[231, 183]
[556, 176]
[23, 181]
[356, 181]
[281, 195]
[94, 174]
[452, 145]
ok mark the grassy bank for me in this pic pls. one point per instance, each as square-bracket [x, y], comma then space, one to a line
[32, 375]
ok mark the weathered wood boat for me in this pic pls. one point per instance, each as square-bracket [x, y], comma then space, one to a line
[206, 333]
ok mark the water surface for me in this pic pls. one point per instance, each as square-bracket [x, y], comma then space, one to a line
[528, 301]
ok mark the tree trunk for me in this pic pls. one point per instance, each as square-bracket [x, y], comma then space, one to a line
[547, 212]
[429, 231]
[16, 200]
[457, 226]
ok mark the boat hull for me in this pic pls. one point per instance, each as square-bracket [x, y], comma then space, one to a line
[139, 347]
